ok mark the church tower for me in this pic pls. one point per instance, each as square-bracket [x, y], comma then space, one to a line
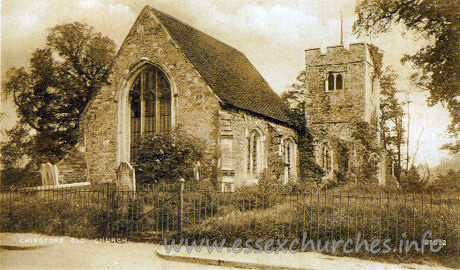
[342, 88]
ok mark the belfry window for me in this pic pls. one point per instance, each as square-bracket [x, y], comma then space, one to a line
[334, 81]
[330, 82]
[150, 106]
[338, 82]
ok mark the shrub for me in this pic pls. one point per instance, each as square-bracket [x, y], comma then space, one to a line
[77, 213]
[53, 214]
[412, 181]
[169, 157]
[449, 182]
[331, 217]
[366, 135]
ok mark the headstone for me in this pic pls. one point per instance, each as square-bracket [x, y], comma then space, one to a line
[50, 174]
[126, 179]
[197, 171]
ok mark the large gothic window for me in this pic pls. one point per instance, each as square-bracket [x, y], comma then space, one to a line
[150, 107]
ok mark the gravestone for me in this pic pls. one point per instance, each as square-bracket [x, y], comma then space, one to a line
[50, 174]
[197, 171]
[126, 179]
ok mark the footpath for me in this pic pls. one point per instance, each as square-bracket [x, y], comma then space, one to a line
[36, 251]
[287, 261]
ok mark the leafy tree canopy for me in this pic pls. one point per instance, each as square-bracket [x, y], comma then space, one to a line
[51, 95]
[391, 124]
[437, 63]
[15, 158]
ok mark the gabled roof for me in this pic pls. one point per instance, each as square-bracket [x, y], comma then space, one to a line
[226, 70]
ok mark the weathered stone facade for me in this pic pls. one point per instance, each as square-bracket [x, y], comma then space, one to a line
[195, 107]
[359, 97]
[335, 104]
[218, 96]
[73, 167]
[239, 125]
[104, 126]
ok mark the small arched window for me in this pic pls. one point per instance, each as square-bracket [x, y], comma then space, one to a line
[289, 157]
[326, 159]
[330, 82]
[339, 82]
[334, 81]
[323, 156]
[150, 106]
[255, 153]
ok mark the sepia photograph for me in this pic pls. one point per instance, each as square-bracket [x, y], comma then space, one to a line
[230, 134]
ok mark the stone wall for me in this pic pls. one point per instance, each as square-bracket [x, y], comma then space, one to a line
[335, 112]
[195, 106]
[73, 167]
[240, 124]
[349, 104]
[195, 109]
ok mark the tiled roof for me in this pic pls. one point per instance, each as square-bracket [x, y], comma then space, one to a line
[226, 70]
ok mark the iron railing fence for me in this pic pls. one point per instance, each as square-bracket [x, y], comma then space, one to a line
[172, 210]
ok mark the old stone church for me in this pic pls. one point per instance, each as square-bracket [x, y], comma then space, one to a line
[168, 74]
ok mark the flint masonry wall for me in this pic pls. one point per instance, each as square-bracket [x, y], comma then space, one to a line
[195, 105]
[240, 124]
[73, 167]
[358, 100]
[196, 109]
[353, 102]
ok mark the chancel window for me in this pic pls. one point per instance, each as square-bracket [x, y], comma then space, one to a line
[255, 158]
[289, 157]
[150, 107]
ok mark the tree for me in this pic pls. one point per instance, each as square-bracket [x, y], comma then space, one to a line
[437, 63]
[447, 182]
[294, 94]
[391, 120]
[62, 78]
[15, 158]
[412, 180]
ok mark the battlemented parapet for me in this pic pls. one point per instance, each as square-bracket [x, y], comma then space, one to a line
[344, 79]
[337, 55]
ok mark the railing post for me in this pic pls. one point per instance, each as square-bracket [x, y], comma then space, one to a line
[181, 204]
[110, 198]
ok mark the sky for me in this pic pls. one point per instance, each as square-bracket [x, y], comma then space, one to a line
[273, 34]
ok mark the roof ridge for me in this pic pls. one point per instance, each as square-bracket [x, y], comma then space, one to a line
[225, 69]
[193, 27]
